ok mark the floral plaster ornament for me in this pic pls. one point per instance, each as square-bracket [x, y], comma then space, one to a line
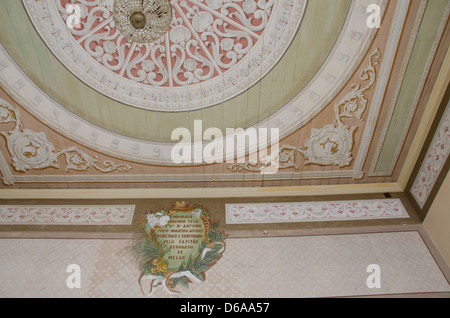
[225, 38]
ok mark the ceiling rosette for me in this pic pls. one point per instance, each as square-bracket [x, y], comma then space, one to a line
[213, 50]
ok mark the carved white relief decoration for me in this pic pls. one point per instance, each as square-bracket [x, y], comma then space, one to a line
[31, 150]
[332, 144]
[217, 49]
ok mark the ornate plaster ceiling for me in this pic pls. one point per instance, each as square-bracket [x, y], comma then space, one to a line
[213, 51]
[305, 61]
[336, 89]
[342, 61]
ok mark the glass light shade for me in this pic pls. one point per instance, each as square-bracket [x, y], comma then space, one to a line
[142, 21]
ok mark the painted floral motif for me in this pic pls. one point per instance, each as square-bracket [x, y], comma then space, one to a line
[176, 247]
[58, 215]
[314, 211]
[434, 161]
[31, 150]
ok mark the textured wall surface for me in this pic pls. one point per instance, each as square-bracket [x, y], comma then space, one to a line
[310, 266]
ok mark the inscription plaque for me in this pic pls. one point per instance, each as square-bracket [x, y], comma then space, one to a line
[176, 247]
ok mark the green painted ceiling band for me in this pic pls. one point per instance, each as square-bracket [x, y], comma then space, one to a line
[427, 33]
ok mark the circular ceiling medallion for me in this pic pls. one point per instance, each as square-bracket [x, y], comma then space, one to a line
[213, 50]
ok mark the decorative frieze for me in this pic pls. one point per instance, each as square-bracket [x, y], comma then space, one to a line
[250, 213]
[66, 215]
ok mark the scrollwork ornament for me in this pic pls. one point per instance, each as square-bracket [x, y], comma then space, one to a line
[32, 150]
[332, 144]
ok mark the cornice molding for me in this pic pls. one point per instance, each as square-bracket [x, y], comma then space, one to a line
[189, 193]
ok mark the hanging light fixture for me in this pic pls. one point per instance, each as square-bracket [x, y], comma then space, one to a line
[142, 21]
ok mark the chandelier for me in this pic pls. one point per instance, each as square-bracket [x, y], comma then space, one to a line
[142, 21]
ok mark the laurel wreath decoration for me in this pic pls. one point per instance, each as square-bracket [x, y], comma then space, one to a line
[175, 248]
